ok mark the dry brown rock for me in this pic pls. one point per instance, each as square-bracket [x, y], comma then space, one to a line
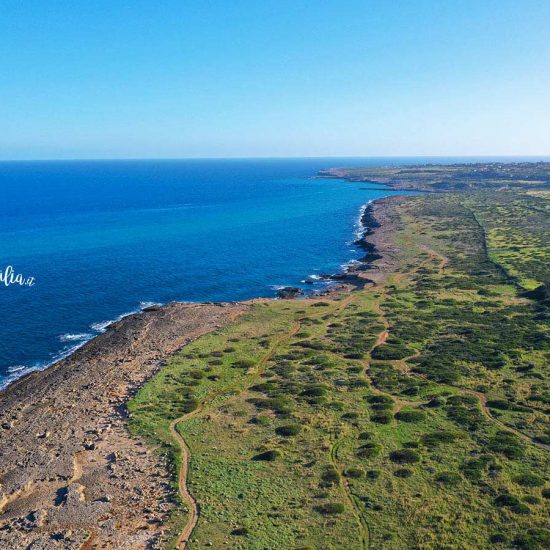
[70, 474]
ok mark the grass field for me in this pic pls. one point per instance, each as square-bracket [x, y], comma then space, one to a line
[408, 415]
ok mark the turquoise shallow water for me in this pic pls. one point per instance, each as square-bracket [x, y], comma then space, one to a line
[102, 238]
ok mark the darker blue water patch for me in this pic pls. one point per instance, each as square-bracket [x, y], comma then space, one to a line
[102, 238]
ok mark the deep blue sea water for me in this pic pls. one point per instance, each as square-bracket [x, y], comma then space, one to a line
[102, 238]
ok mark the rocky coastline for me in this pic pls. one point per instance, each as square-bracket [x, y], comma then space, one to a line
[71, 476]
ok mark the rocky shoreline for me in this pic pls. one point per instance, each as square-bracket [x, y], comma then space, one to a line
[372, 241]
[70, 474]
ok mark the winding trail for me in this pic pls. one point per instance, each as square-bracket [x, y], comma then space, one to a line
[404, 368]
[352, 500]
[259, 369]
[186, 495]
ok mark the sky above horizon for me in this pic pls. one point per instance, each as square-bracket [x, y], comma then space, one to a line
[242, 78]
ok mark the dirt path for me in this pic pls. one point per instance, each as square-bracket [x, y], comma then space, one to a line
[487, 412]
[401, 364]
[184, 449]
[443, 260]
[356, 509]
[182, 484]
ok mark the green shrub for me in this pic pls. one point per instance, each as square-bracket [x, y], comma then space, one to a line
[404, 456]
[448, 478]
[441, 436]
[411, 416]
[381, 406]
[382, 418]
[506, 500]
[369, 450]
[261, 420]
[354, 473]
[244, 364]
[533, 539]
[317, 390]
[520, 508]
[507, 444]
[435, 402]
[330, 476]
[240, 532]
[403, 472]
[189, 405]
[380, 399]
[529, 480]
[268, 456]
[289, 430]
[331, 508]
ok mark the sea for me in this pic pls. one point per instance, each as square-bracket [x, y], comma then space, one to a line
[93, 241]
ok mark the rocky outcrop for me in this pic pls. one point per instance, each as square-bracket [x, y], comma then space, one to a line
[69, 470]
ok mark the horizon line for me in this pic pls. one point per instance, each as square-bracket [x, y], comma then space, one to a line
[305, 157]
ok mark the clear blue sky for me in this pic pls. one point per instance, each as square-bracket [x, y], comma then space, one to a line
[196, 78]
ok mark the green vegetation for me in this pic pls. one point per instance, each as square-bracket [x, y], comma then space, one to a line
[308, 431]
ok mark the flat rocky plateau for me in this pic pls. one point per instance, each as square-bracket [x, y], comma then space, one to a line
[70, 474]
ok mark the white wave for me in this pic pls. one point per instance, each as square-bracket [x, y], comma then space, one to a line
[144, 305]
[15, 372]
[18, 371]
[277, 287]
[16, 368]
[315, 277]
[359, 225]
[102, 326]
[75, 337]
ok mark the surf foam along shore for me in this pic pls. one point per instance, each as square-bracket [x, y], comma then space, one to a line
[59, 424]
[76, 410]
[73, 342]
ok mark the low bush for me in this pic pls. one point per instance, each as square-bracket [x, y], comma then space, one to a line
[331, 508]
[189, 405]
[529, 480]
[267, 456]
[404, 456]
[435, 438]
[448, 478]
[354, 473]
[507, 444]
[410, 416]
[240, 531]
[289, 430]
[506, 500]
[382, 418]
[244, 364]
[369, 450]
[330, 477]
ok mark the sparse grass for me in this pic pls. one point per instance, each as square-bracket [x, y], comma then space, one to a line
[305, 436]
